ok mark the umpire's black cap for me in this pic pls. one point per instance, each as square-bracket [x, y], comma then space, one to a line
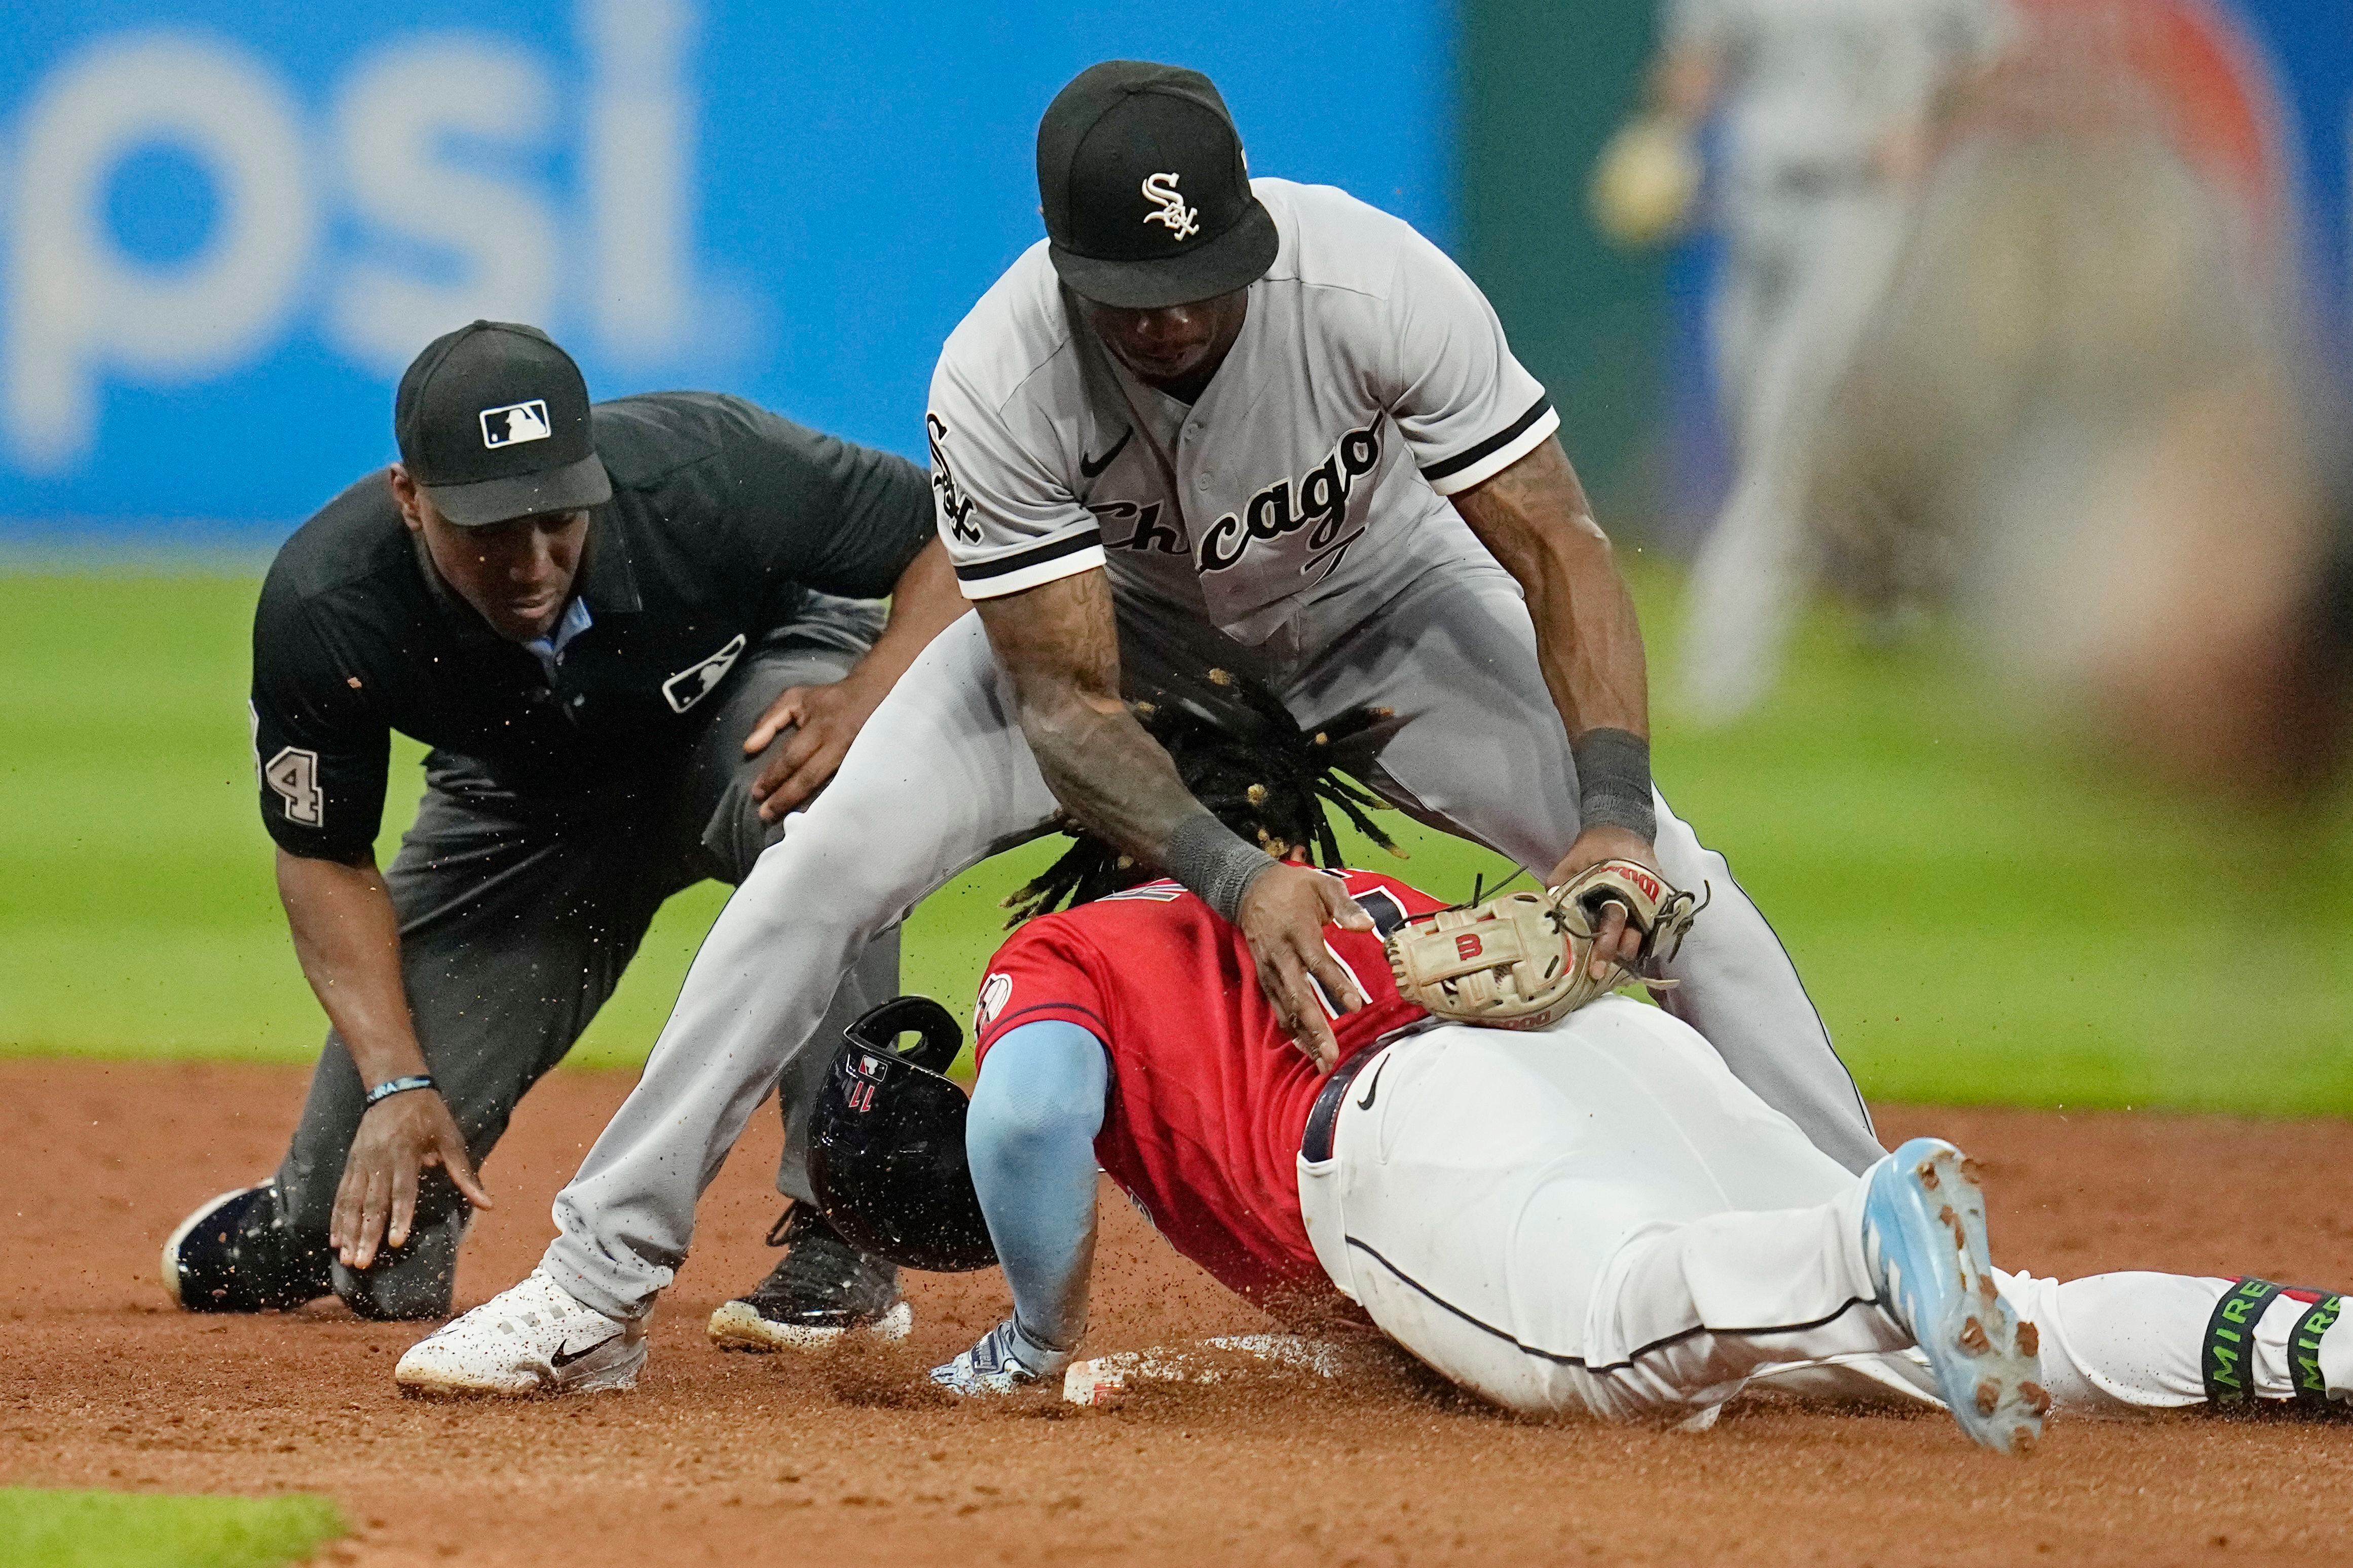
[1146, 191]
[492, 422]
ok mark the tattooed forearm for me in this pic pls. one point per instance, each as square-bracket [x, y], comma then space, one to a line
[1061, 645]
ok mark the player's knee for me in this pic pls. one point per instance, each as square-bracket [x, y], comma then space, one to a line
[838, 863]
[734, 836]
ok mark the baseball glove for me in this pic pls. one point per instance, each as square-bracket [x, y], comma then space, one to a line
[1521, 961]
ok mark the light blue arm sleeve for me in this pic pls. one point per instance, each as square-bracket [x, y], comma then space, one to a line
[1030, 1138]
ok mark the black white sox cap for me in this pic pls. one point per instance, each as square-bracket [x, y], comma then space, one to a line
[492, 422]
[1146, 194]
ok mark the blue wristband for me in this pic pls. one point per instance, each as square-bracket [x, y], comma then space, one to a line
[393, 1086]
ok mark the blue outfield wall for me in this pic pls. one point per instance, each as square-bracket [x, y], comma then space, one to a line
[223, 230]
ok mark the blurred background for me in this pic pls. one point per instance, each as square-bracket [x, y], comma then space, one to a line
[1964, 381]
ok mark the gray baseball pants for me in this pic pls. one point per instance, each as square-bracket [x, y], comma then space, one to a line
[517, 916]
[940, 778]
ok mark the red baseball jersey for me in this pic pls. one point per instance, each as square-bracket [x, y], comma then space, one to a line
[1209, 1099]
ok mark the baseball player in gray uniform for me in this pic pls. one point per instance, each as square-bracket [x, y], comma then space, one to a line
[1213, 422]
[1826, 107]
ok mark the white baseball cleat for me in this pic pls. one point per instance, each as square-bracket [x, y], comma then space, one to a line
[1006, 1359]
[535, 1338]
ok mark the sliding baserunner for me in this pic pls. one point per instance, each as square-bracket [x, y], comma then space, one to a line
[1594, 1215]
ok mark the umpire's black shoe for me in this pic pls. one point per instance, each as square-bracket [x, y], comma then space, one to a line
[824, 1289]
[235, 1255]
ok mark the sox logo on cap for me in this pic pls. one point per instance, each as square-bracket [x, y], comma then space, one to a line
[1173, 212]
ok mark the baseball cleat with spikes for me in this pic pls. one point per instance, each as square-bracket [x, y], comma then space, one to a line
[1924, 1234]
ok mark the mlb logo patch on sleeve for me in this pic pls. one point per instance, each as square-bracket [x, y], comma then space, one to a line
[514, 423]
[697, 681]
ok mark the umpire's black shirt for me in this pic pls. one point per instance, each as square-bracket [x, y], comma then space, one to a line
[724, 518]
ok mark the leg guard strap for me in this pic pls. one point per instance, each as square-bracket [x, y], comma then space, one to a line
[2303, 1354]
[2227, 1362]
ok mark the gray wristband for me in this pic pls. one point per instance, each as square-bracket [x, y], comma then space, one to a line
[1212, 860]
[1613, 782]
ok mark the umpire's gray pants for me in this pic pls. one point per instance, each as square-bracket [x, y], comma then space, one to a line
[940, 778]
[517, 918]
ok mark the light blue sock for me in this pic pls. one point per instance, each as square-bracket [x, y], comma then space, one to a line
[1031, 1140]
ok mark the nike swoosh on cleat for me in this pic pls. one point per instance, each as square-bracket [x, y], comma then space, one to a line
[563, 1359]
[1373, 1087]
[1090, 467]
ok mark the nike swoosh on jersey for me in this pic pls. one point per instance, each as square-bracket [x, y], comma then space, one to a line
[563, 1359]
[1374, 1088]
[1090, 467]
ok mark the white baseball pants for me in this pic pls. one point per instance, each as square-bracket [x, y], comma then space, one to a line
[1598, 1218]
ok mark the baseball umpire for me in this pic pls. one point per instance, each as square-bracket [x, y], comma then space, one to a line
[1274, 430]
[635, 635]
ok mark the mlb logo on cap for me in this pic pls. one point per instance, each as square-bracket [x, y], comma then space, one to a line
[493, 424]
[515, 422]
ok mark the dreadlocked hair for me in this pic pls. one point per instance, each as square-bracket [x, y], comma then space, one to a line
[1253, 767]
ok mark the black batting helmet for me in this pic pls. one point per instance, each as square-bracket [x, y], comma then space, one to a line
[886, 1144]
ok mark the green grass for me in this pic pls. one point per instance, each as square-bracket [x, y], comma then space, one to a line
[135, 1530]
[1982, 912]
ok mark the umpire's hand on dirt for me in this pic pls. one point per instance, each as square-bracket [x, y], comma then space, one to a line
[1282, 916]
[824, 720]
[1615, 943]
[377, 1201]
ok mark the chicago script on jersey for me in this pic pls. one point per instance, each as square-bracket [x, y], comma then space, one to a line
[1144, 531]
[1317, 500]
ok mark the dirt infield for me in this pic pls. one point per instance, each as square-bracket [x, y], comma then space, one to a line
[730, 1459]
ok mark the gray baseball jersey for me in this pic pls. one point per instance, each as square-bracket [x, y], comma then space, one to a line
[1370, 381]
